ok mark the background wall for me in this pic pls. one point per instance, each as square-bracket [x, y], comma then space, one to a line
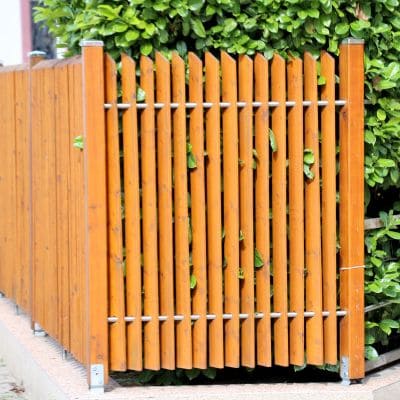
[14, 31]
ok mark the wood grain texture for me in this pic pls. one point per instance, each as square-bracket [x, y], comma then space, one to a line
[132, 216]
[328, 160]
[351, 181]
[214, 212]
[95, 207]
[116, 287]
[198, 213]
[279, 239]
[246, 155]
[8, 232]
[296, 210]
[149, 212]
[262, 203]
[22, 165]
[63, 144]
[181, 218]
[165, 212]
[231, 210]
[314, 331]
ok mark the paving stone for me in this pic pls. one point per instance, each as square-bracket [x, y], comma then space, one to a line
[9, 389]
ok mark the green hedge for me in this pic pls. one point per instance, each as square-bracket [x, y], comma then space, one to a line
[289, 27]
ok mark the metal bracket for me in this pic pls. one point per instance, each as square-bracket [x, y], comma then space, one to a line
[38, 330]
[2, 295]
[17, 310]
[344, 371]
[96, 378]
[65, 354]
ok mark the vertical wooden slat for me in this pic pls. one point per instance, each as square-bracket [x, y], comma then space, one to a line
[48, 180]
[7, 182]
[262, 225]
[37, 150]
[351, 179]
[164, 161]
[181, 218]
[296, 210]
[74, 155]
[328, 157]
[95, 206]
[231, 210]
[246, 210]
[22, 186]
[35, 58]
[77, 273]
[63, 145]
[198, 221]
[214, 212]
[116, 307]
[17, 270]
[149, 211]
[279, 244]
[44, 202]
[314, 331]
[132, 217]
[80, 214]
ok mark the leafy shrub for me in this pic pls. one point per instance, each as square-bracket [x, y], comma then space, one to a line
[287, 26]
[382, 282]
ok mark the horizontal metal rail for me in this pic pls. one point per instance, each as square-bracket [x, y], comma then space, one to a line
[375, 223]
[239, 104]
[378, 306]
[195, 317]
[382, 360]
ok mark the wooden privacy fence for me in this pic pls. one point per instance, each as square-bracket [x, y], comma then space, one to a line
[186, 234]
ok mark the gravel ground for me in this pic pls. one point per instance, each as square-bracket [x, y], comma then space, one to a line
[9, 389]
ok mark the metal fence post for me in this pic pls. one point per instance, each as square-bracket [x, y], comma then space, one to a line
[95, 213]
[351, 67]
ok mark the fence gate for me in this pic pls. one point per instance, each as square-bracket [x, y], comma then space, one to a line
[186, 216]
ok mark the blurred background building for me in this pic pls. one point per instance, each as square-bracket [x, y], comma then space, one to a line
[19, 35]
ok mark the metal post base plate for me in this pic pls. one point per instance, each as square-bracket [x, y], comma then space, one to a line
[38, 330]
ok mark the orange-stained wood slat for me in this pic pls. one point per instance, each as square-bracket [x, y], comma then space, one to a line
[328, 160]
[74, 155]
[198, 213]
[247, 158]
[314, 330]
[22, 166]
[296, 210]
[116, 306]
[132, 216]
[231, 210]
[33, 60]
[262, 225]
[36, 122]
[164, 161]
[181, 218]
[214, 213]
[7, 182]
[63, 144]
[279, 240]
[149, 220]
[44, 218]
[96, 338]
[82, 291]
[351, 180]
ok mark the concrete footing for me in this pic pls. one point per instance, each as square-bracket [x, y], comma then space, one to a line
[39, 365]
